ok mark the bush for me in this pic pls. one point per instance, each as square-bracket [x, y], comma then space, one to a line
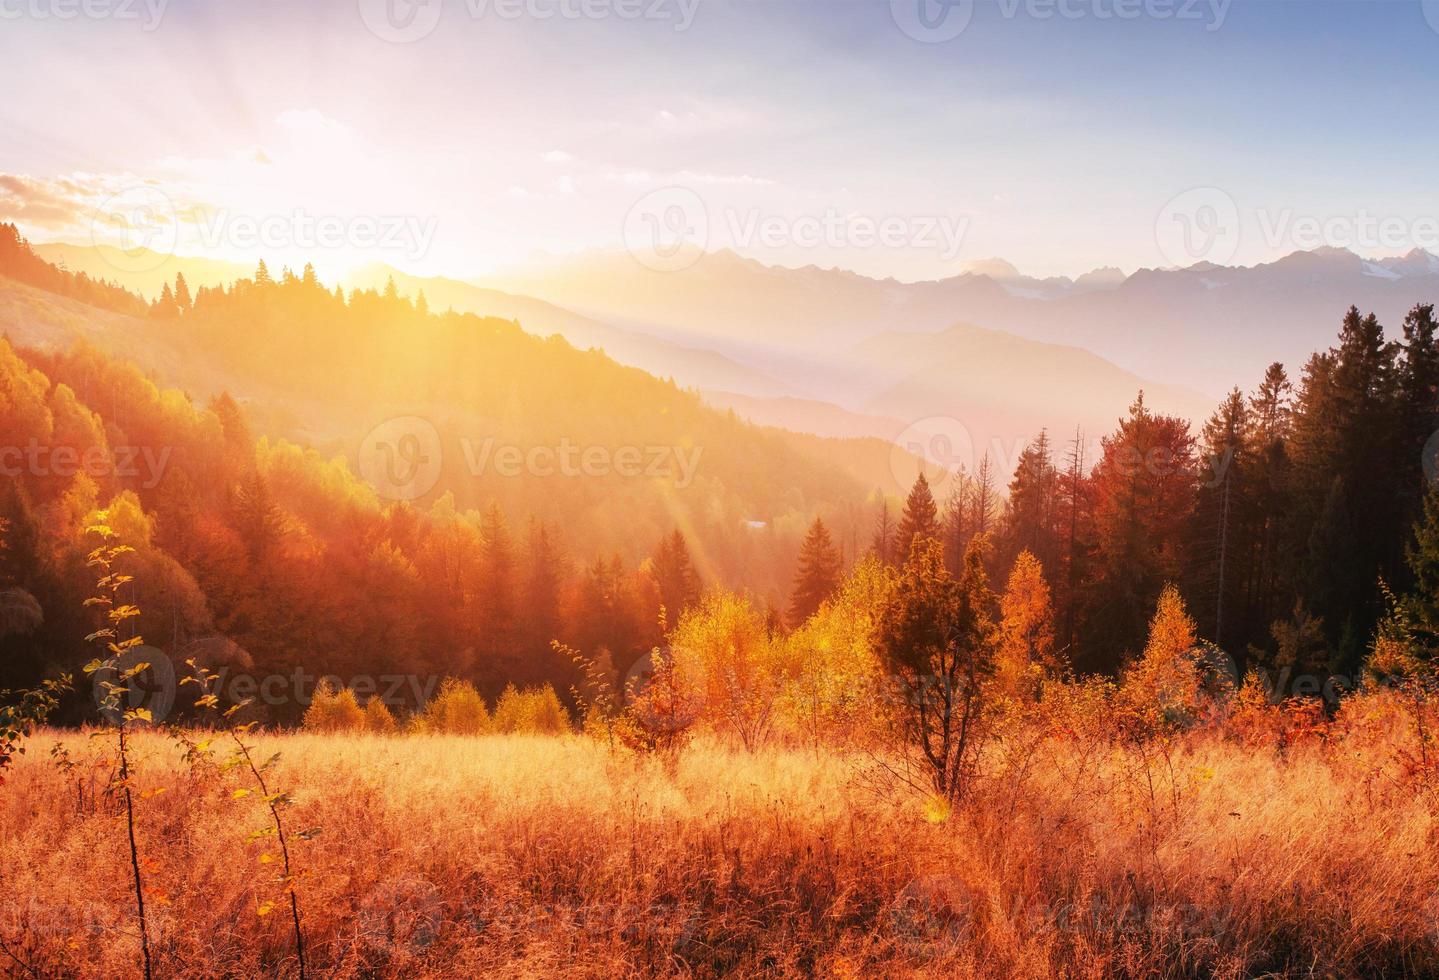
[535, 711]
[378, 718]
[334, 710]
[458, 709]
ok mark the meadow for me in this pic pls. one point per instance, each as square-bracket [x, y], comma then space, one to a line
[1289, 849]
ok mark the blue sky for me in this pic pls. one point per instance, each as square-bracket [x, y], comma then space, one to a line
[1056, 142]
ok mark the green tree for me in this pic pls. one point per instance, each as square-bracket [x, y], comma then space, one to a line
[936, 635]
[821, 569]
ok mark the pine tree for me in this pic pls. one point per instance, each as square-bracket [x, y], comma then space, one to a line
[497, 585]
[1422, 557]
[1346, 517]
[674, 572]
[1032, 512]
[920, 518]
[262, 275]
[983, 499]
[820, 572]
[1143, 490]
[956, 530]
[1270, 417]
[1075, 517]
[1418, 395]
[165, 308]
[1221, 516]
[882, 546]
[182, 294]
[544, 573]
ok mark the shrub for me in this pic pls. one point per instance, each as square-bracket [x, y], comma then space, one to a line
[458, 709]
[534, 711]
[378, 718]
[334, 710]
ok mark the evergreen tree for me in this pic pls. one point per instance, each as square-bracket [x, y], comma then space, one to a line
[1270, 414]
[1346, 516]
[262, 275]
[920, 518]
[182, 294]
[983, 500]
[1032, 512]
[1222, 511]
[820, 572]
[956, 530]
[882, 546]
[1143, 494]
[674, 573]
[497, 585]
[543, 575]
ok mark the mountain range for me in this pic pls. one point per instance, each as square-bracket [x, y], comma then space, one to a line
[992, 352]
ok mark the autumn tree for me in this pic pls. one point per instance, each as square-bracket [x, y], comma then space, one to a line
[725, 655]
[1163, 687]
[1025, 640]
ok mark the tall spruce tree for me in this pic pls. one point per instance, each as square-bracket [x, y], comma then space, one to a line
[920, 518]
[820, 572]
[675, 576]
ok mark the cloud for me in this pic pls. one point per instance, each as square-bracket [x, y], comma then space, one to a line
[556, 156]
[309, 121]
[98, 207]
[39, 204]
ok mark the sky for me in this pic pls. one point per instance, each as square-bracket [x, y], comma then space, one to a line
[908, 138]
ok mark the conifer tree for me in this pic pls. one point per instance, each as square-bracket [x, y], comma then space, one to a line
[675, 575]
[820, 572]
[183, 299]
[920, 518]
[497, 585]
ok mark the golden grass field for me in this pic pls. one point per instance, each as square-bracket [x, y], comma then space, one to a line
[527, 856]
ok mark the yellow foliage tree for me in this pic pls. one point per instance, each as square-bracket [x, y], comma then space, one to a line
[458, 709]
[333, 710]
[1164, 686]
[378, 717]
[726, 658]
[834, 671]
[1026, 631]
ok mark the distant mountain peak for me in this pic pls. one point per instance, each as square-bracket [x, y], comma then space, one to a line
[995, 268]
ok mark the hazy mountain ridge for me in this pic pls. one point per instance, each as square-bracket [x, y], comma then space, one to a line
[1205, 327]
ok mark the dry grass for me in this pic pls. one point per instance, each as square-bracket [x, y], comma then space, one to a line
[531, 856]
